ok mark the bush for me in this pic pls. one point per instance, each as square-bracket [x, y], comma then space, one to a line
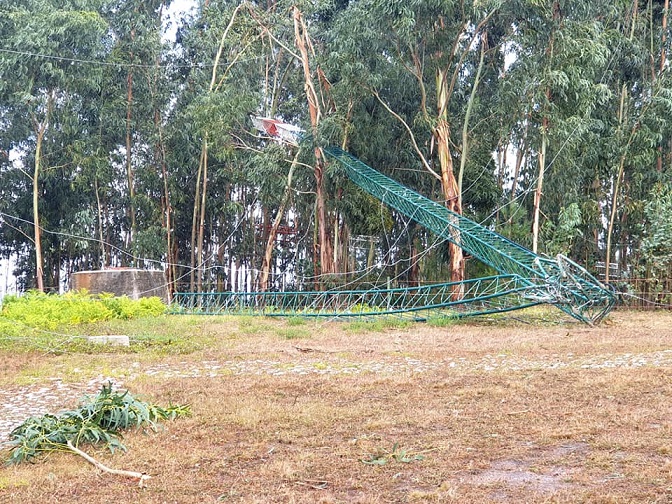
[49, 311]
[125, 308]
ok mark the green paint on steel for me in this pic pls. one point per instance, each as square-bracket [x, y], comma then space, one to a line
[558, 281]
[481, 296]
[526, 279]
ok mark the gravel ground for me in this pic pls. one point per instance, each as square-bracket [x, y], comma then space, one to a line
[20, 402]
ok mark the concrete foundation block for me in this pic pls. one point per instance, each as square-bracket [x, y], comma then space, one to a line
[131, 282]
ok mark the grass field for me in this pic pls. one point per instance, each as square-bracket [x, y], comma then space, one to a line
[525, 409]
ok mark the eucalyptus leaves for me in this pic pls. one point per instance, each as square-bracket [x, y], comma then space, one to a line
[98, 420]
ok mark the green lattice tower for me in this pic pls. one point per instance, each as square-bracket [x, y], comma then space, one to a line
[482, 296]
[559, 281]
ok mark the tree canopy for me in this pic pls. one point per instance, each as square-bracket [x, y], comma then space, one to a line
[546, 120]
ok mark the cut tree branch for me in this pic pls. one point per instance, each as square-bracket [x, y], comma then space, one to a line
[141, 477]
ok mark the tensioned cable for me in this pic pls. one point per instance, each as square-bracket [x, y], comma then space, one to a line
[117, 64]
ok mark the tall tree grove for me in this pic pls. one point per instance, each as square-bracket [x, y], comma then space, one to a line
[123, 145]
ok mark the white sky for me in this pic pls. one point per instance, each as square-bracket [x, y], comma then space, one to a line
[177, 7]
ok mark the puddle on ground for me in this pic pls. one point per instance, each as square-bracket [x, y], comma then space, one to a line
[537, 473]
[518, 473]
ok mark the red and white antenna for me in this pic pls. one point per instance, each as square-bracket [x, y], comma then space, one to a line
[277, 129]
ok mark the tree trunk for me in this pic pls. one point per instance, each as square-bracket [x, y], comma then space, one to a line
[103, 259]
[540, 185]
[663, 42]
[168, 209]
[414, 269]
[40, 131]
[194, 223]
[520, 154]
[661, 68]
[39, 273]
[544, 142]
[129, 164]
[612, 217]
[201, 223]
[467, 116]
[270, 242]
[449, 186]
[324, 241]
[198, 217]
[621, 165]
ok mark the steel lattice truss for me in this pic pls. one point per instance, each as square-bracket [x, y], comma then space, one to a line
[482, 296]
[559, 281]
[525, 279]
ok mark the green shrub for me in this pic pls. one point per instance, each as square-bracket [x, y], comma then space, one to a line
[125, 308]
[50, 311]
[9, 328]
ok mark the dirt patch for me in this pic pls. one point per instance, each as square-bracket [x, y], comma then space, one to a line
[541, 472]
[468, 413]
[517, 473]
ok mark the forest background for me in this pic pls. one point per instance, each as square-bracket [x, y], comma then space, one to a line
[545, 120]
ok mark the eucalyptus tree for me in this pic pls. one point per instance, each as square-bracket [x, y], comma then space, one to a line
[134, 103]
[644, 108]
[218, 91]
[554, 89]
[656, 250]
[422, 62]
[44, 43]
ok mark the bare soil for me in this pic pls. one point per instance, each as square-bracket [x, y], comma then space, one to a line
[473, 412]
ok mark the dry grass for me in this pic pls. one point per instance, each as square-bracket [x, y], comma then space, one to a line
[483, 405]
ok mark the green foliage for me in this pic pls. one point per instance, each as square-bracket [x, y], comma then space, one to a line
[158, 336]
[126, 308]
[98, 420]
[294, 333]
[560, 237]
[48, 312]
[296, 321]
[657, 241]
[397, 454]
[9, 328]
[443, 321]
[379, 324]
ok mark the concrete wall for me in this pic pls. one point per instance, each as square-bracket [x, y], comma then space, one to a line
[134, 283]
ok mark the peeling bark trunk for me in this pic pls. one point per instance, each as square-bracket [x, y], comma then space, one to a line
[449, 185]
[323, 245]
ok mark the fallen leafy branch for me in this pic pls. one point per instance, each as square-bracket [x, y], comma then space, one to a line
[98, 420]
